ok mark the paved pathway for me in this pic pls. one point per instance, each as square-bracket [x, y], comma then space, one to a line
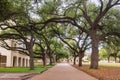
[63, 71]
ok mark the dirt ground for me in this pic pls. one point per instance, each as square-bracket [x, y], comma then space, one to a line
[103, 73]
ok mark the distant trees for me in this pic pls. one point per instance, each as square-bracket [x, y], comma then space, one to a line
[77, 41]
[111, 49]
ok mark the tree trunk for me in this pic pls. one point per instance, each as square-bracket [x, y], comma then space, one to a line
[50, 60]
[74, 62]
[44, 59]
[119, 59]
[80, 61]
[81, 55]
[29, 46]
[108, 59]
[115, 59]
[94, 55]
[31, 59]
[54, 59]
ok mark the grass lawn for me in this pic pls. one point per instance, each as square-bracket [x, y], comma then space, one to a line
[25, 69]
[116, 65]
[106, 71]
[105, 64]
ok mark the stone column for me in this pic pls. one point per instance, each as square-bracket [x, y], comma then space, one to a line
[25, 62]
[9, 60]
[17, 61]
[28, 62]
[21, 61]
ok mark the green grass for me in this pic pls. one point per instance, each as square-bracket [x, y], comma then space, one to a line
[25, 69]
[105, 64]
[109, 64]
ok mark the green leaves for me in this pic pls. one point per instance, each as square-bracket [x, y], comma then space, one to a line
[5, 9]
[48, 9]
[10, 8]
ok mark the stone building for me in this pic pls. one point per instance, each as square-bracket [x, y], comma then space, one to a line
[9, 58]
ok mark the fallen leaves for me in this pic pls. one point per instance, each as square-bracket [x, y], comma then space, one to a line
[103, 73]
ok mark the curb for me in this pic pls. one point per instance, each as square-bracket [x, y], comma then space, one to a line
[24, 77]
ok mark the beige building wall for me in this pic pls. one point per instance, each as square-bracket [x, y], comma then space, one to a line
[19, 59]
[10, 58]
[7, 53]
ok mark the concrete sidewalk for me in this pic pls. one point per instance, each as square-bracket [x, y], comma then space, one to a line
[63, 71]
[16, 76]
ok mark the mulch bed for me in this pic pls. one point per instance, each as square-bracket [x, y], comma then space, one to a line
[103, 73]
